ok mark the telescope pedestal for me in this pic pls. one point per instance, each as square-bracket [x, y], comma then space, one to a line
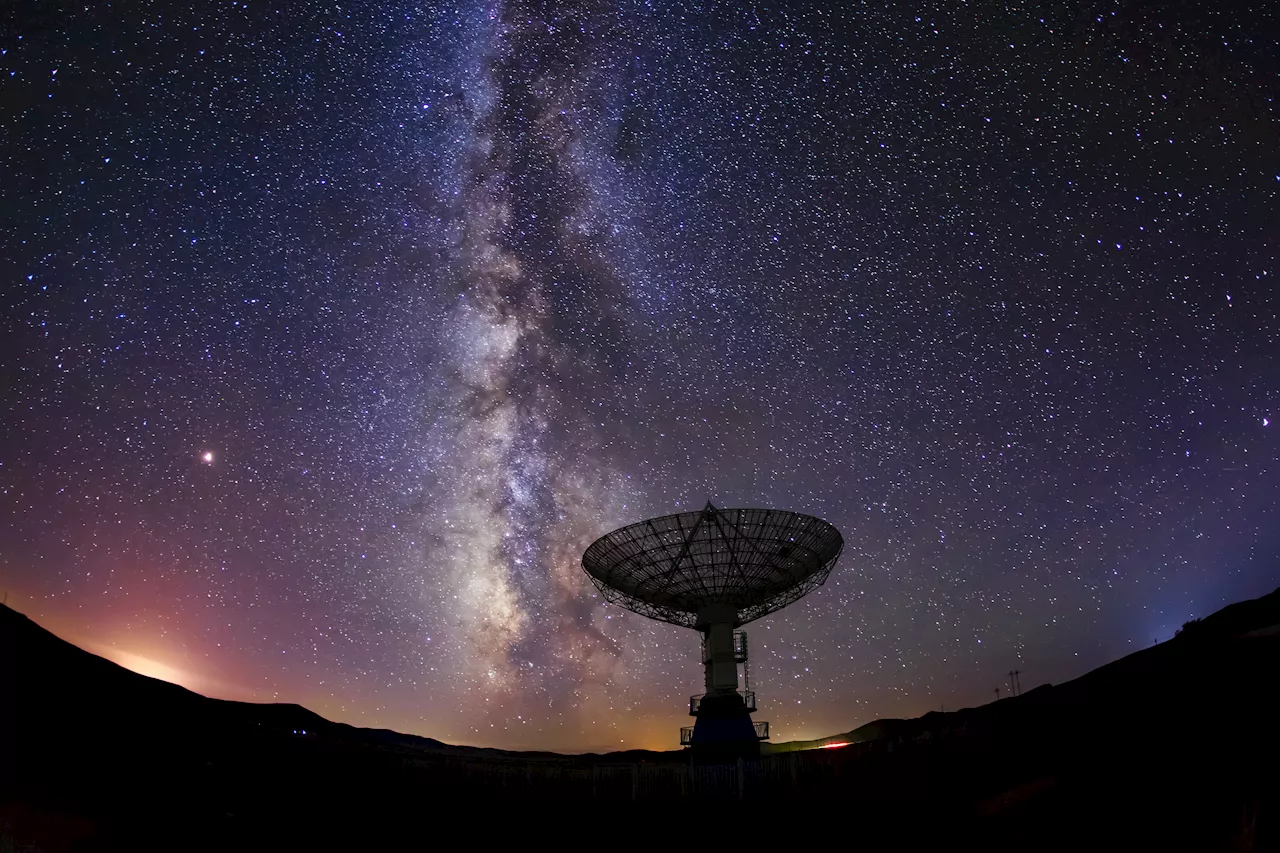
[724, 723]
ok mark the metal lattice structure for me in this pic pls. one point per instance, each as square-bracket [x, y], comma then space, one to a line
[753, 560]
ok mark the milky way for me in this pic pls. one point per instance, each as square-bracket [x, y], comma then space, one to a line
[333, 335]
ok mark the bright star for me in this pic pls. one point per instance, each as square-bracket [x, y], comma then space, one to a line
[207, 457]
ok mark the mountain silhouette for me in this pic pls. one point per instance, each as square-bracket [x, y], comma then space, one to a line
[1172, 745]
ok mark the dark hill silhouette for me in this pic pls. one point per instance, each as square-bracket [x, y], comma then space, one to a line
[1175, 745]
[1138, 681]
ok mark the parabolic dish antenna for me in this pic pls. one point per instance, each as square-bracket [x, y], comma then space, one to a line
[715, 570]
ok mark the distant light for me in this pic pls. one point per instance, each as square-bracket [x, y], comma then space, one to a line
[1266, 422]
[207, 457]
[835, 745]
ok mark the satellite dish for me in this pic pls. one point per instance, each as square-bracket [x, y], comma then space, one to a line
[716, 570]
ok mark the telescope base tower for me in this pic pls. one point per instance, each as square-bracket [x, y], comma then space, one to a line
[724, 726]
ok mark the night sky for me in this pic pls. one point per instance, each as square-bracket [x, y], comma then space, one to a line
[332, 335]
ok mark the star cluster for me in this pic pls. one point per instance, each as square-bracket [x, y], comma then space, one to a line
[333, 334]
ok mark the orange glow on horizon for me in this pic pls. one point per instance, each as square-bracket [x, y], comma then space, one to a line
[153, 668]
[835, 745]
[148, 666]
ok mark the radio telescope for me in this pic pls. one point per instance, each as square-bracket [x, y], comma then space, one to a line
[715, 570]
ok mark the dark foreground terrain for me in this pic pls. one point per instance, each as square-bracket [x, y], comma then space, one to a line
[1171, 748]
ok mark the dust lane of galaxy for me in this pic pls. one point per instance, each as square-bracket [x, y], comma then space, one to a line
[529, 482]
[334, 334]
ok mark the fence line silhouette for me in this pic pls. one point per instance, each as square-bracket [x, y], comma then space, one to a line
[771, 776]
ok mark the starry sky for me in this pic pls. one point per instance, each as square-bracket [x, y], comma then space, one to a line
[333, 333]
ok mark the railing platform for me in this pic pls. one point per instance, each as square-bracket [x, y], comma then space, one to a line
[748, 698]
